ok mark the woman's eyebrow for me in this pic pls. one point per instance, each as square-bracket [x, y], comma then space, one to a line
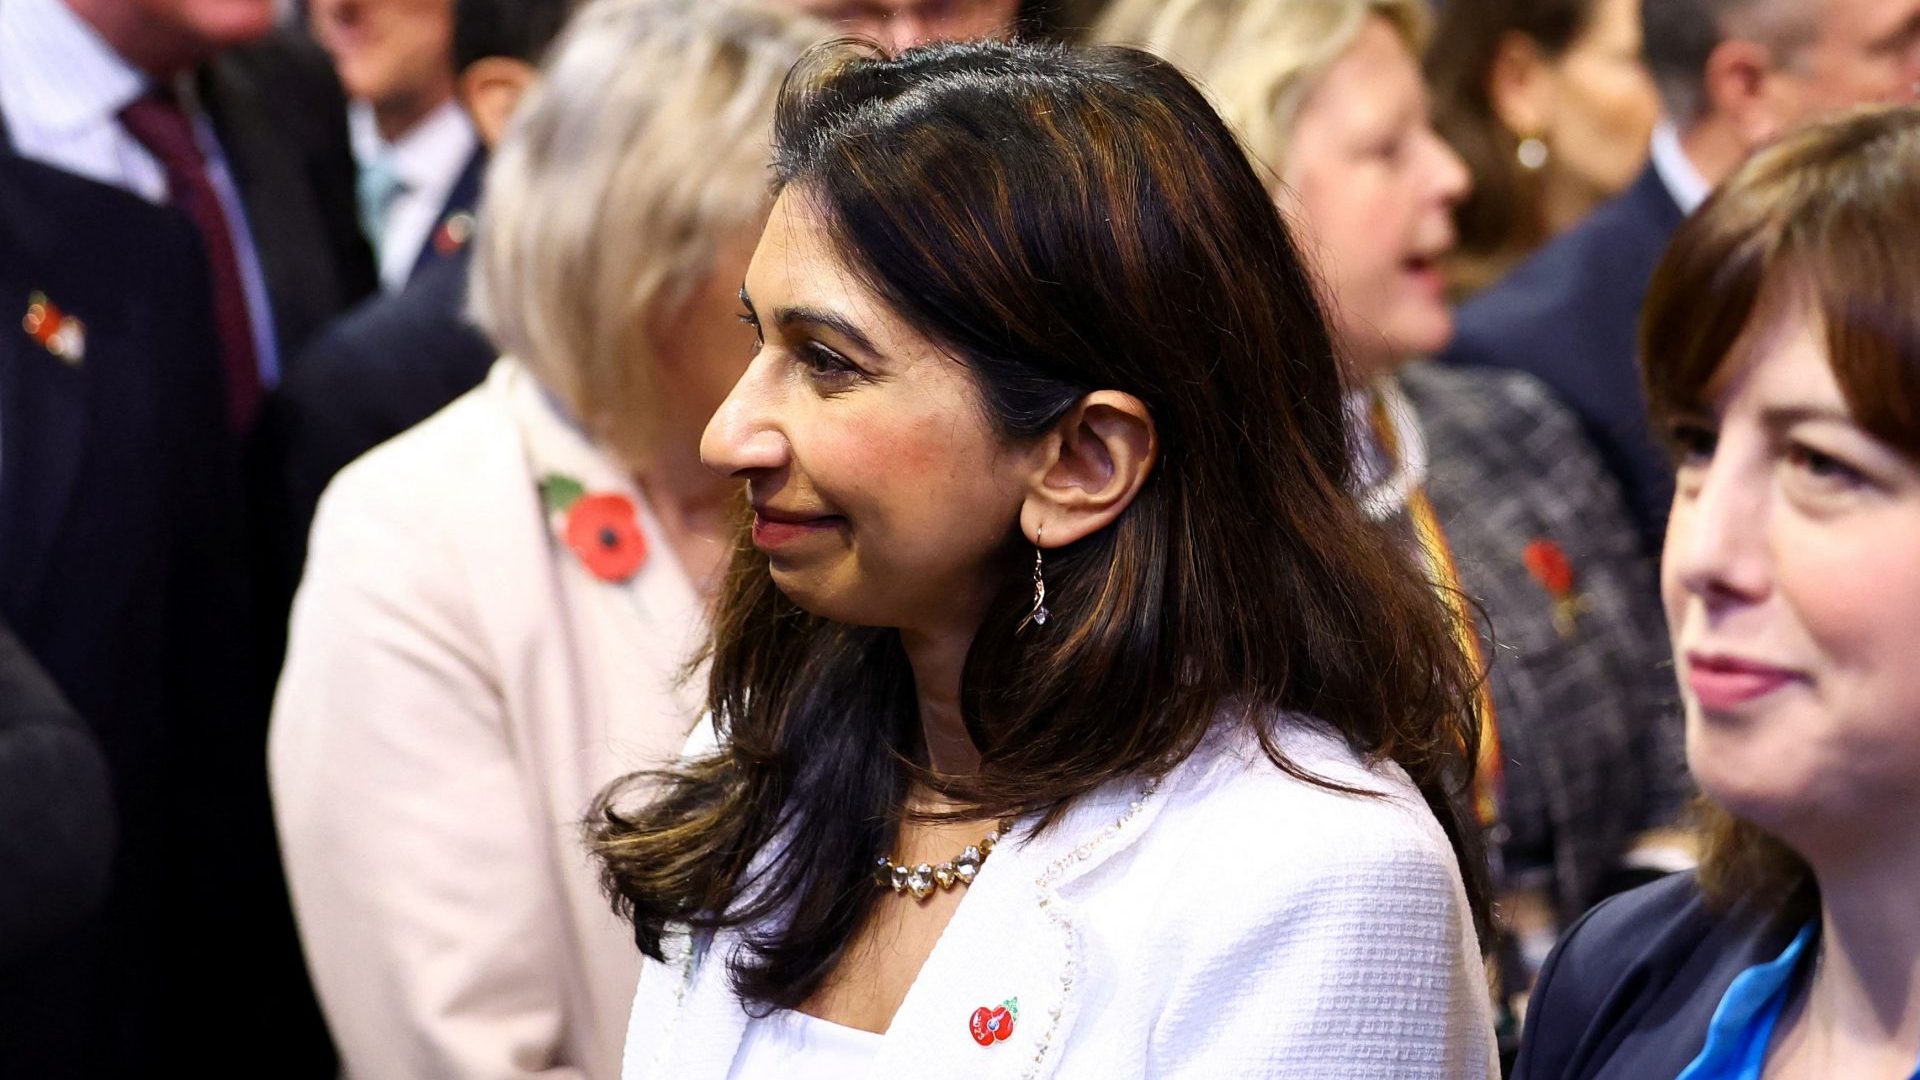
[1782, 417]
[813, 316]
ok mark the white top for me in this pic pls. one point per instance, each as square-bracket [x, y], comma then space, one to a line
[458, 688]
[1231, 921]
[61, 91]
[426, 162]
[1676, 170]
[790, 1045]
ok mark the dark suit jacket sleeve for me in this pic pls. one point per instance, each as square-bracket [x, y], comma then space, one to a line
[1629, 991]
[56, 809]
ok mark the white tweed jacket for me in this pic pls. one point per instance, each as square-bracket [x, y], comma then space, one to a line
[1230, 921]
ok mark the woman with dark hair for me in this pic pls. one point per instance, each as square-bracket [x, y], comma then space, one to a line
[1069, 717]
[1782, 346]
[1549, 104]
[1482, 472]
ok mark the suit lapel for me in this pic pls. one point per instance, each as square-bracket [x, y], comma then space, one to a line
[43, 431]
[1014, 938]
[1014, 943]
[450, 233]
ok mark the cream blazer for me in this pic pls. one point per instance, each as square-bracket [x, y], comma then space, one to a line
[1230, 921]
[458, 686]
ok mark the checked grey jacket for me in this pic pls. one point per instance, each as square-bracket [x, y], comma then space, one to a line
[1590, 725]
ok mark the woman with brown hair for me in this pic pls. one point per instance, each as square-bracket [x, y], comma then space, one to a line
[1483, 473]
[1068, 717]
[1782, 345]
[1548, 103]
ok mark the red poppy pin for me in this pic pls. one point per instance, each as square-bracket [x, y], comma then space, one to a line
[57, 332]
[603, 529]
[992, 1025]
[1549, 566]
[453, 233]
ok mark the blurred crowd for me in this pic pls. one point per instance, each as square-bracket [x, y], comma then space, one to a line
[355, 357]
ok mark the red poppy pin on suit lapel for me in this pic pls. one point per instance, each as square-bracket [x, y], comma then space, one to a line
[603, 528]
[1549, 566]
[57, 332]
[453, 233]
[989, 1025]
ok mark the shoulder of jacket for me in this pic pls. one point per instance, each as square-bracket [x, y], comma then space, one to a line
[1241, 809]
[456, 464]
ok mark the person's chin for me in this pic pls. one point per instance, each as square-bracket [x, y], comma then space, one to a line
[1752, 783]
[232, 26]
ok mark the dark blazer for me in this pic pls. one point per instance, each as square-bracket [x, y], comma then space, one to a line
[384, 367]
[281, 118]
[1570, 316]
[121, 572]
[56, 811]
[1630, 990]
[1590, 726]
[464, 199]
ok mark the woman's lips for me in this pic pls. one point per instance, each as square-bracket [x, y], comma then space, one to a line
[1427, 273]
[1720, 683]
[772, 529]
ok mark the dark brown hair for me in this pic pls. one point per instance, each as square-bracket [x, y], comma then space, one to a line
[1503, 217]
[1061, 222]
[1825, 217]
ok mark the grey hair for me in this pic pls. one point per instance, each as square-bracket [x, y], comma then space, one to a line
[644, 147]
[1681, 35]
[1258, 61]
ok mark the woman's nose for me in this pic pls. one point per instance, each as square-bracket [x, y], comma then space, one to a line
[745, 437]
[1716, 545]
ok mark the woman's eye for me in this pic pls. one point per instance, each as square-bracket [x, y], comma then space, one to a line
[1823, 467]
[824, 361]
[1694, 442]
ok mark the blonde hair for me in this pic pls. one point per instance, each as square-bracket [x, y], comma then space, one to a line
[644, 147]
[1259, 60]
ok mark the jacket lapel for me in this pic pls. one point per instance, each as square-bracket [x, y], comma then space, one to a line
[1013, 943]
[686, 1022]
[642, 629]
[1013, 938]
[43, 430]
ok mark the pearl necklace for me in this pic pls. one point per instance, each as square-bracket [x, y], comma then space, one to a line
[921, 880]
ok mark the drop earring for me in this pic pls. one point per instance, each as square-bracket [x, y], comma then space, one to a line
[1039, 614]
[1532, 153]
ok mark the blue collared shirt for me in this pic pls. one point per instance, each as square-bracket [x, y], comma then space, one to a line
[1742, 1027]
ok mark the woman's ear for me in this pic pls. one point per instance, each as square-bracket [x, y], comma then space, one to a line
[1090, 468]
[1518, 87]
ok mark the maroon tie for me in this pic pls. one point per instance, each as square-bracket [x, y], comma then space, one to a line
[161, 126]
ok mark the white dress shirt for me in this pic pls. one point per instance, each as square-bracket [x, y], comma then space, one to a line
[61, 91]
[426, 162]
[1676, 170]
[790, 1045]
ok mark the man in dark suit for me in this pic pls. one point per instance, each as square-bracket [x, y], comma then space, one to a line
[183, 189]
[119, 572]
[418, 155]
[183, 103]
[1732, 74]
[399, 358]
[56, 813]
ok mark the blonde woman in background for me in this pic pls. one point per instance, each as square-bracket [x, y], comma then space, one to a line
[1489, 478]
[498, 602]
